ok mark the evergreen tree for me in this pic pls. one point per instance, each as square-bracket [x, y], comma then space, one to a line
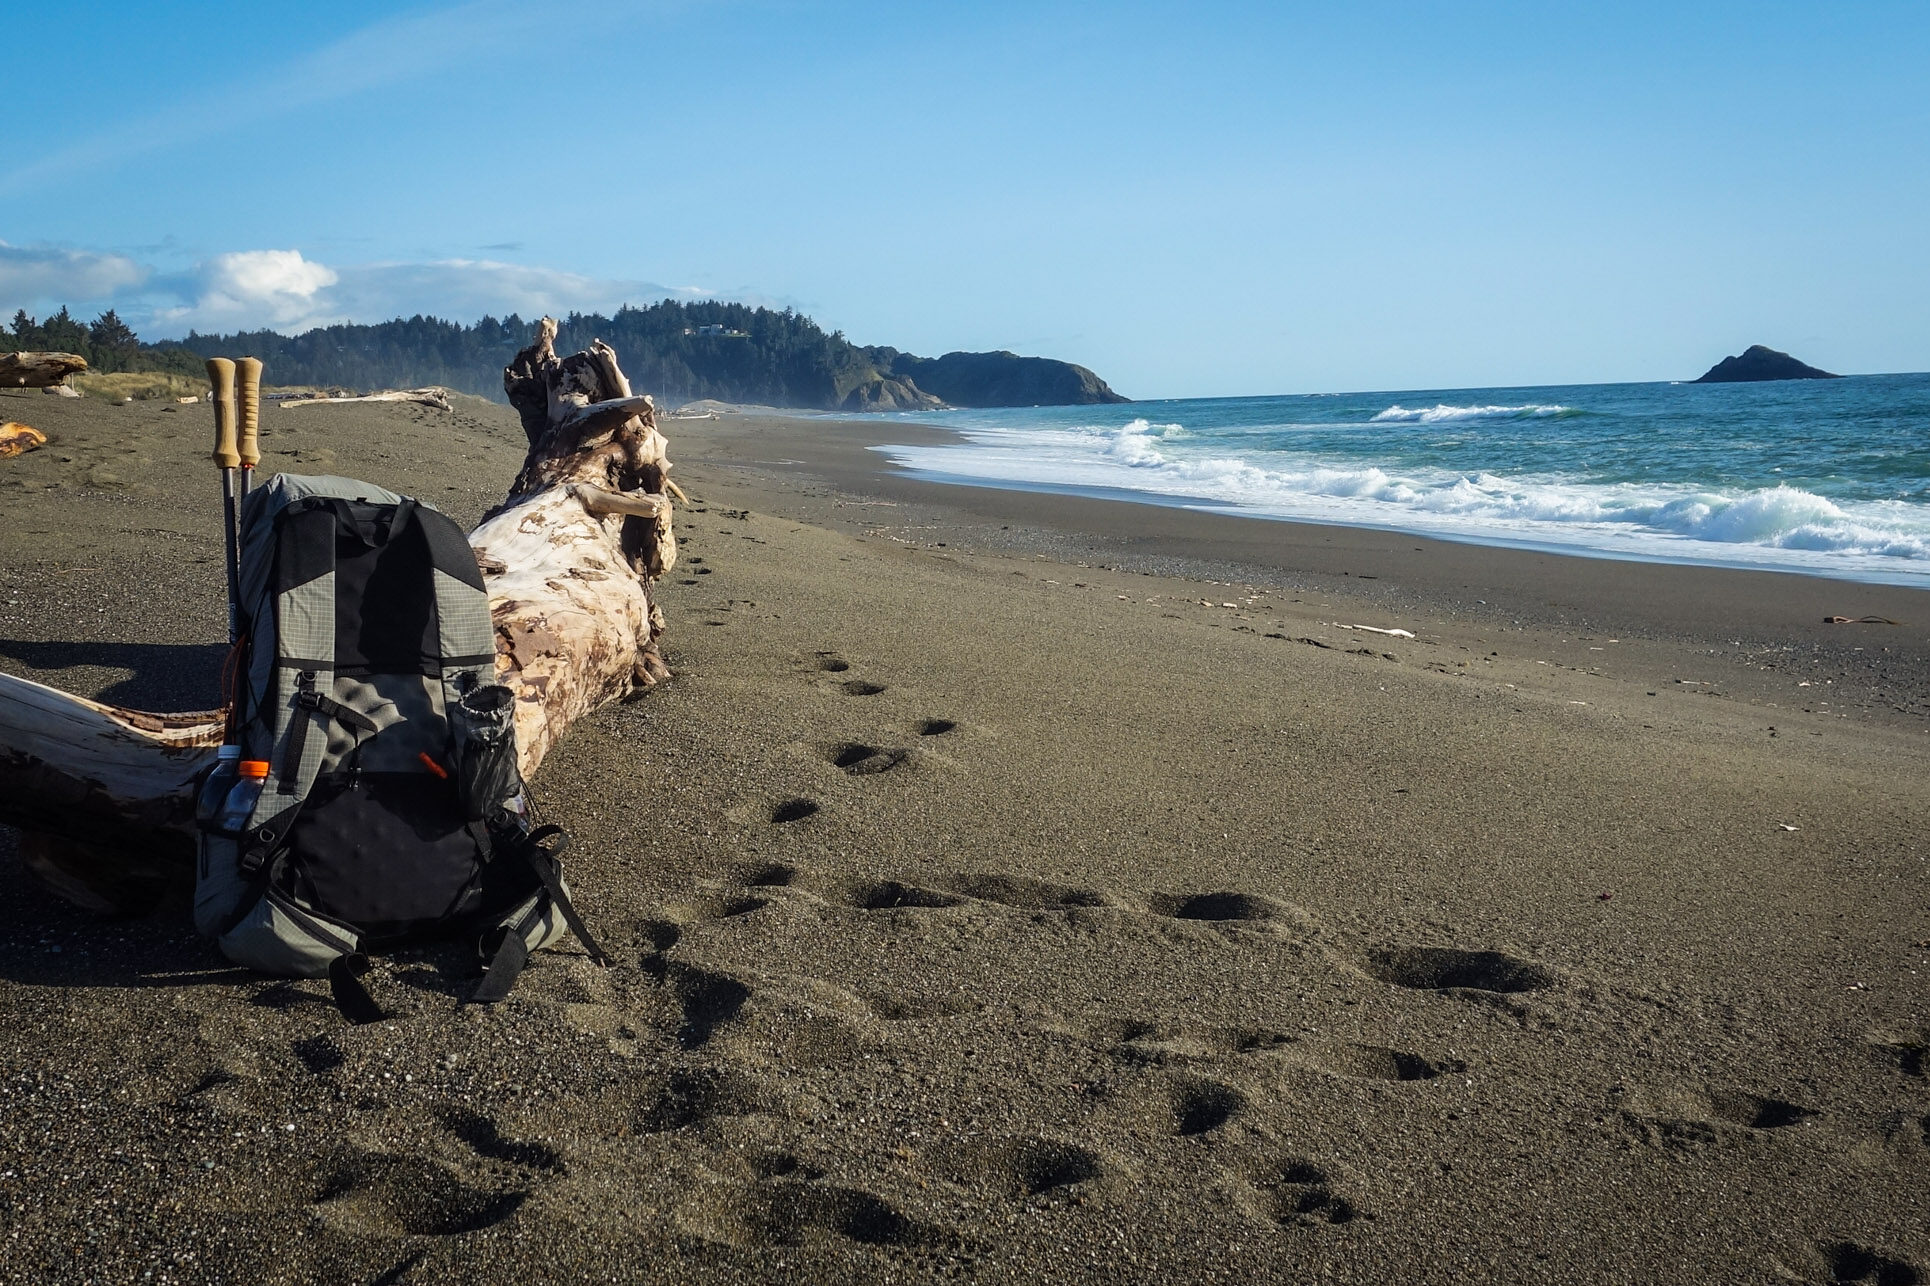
[109, 331]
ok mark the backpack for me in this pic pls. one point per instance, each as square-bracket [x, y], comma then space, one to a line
[369, 797]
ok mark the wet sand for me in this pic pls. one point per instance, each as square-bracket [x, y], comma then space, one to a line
[1019, 888]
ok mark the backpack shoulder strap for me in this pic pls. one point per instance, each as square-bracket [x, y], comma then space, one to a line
[303, 585]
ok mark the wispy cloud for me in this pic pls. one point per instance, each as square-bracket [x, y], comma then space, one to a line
[392, 50]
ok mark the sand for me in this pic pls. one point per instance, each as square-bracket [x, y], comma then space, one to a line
[1017, 888]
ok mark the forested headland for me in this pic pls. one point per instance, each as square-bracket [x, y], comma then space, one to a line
[676, 351]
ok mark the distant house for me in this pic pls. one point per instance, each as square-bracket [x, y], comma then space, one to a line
[720, 331]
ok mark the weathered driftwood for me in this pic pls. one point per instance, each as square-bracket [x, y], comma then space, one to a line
[436, 397]
[104, 796]
[38, 370]
[18, 439]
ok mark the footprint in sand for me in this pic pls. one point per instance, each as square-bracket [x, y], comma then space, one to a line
[1143, 1040]
[695, 1095]
[1019, 1167]
[658, 936]
[935, 727]
[785, 1212]
[395, 1195]
[832, 663]
[900, 1007]
[1696, 1119]
[1028, 894]
[1218, 907]
[1900, 1129]
[1299, 1192]
[319, 1054]
[707, 999]
[1846, 1262]
[1447, 969]
[792, 810]
[1379, 1063]
[1907, 1055]
[890, 895]
[770, 875]
[863, 895]
[862, 759]
[486, 1140]
[1202, 1106]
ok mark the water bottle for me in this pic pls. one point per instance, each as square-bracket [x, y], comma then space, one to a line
[240, 804]
[214, 790]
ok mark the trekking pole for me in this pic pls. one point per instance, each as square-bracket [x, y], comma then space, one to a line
[248, 398]
[221, 376]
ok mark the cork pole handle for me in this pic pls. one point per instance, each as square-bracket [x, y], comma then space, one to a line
[221, 376]
[248, 390]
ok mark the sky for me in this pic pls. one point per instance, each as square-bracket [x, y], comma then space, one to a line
[1195, 200]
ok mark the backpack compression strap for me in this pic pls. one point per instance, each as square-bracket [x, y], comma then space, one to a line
[351, 997]
[507, 951]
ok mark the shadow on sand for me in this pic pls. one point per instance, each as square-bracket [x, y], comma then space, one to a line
[164, 677]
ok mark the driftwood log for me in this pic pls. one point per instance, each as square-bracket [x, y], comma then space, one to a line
[38, 370]
[436, 397]
[104, 797]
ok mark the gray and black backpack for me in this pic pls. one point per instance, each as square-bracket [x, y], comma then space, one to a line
[370, 796]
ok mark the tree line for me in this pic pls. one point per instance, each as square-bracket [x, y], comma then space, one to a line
[107, 342]
[778, 357]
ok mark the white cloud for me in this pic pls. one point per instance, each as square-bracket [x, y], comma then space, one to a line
[33, 277]
[286, 291]
[252, 289]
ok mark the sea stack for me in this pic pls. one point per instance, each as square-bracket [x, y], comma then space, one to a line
[1759, 363]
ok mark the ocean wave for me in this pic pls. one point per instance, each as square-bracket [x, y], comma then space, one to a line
[1656, 518]
[1444, 414]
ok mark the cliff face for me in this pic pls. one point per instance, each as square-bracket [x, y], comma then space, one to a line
[1759, 363]
[884, 393]
[996, 379]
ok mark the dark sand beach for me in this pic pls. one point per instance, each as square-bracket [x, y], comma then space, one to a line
[1013, 887]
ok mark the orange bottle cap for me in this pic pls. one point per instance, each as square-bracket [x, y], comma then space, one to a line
[255, 768]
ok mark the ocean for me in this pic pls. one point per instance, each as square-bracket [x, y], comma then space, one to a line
[1825, 477]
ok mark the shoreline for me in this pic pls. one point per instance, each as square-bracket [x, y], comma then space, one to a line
[1548, 507]
[1742, 614]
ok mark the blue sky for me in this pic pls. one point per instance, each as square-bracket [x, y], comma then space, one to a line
[1194, 200]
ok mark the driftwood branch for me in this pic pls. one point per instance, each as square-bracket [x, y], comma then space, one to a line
[104, 796]
[38, 370]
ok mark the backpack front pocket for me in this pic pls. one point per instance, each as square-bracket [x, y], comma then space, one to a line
[389, 852]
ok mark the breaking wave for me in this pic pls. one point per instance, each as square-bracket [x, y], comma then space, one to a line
[1445, 414]
[1776, 526]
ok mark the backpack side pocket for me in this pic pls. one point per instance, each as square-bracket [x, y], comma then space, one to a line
[219, 886]
[279, 936]
[482, 726]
